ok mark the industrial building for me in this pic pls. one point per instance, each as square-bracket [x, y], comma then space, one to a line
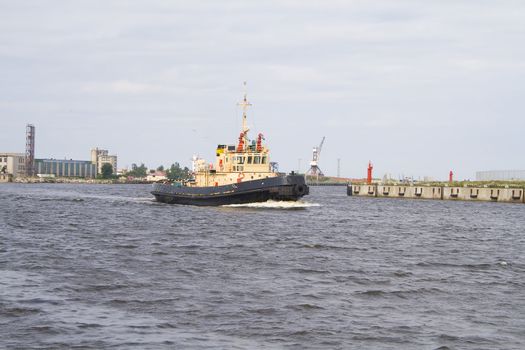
[99, 157]
[500, 175]
[13, 163]
[65, 168]
[76, 168]
[24, 164]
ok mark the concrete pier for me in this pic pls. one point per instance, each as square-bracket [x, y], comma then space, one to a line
[507, 195]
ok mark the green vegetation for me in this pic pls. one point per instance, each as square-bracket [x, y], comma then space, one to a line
[326, 181]
[137, 171]
[175, 172]
[489, 184]
[106, 171]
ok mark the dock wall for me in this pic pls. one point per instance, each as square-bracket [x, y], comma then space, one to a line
[508, 195]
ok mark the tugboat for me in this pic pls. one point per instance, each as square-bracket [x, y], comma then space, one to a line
[242, 174]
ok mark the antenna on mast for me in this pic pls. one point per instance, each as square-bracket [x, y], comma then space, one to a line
[244, 104]
[244, 134]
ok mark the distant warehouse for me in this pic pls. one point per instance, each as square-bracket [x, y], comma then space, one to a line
[500, 175]
[13, 163]
[65, 168]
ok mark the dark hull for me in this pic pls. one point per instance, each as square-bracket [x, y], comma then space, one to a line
[282, 188]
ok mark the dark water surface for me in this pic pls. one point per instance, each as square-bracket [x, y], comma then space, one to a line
[100, 266]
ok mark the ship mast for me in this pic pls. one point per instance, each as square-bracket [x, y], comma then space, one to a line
[244, 104]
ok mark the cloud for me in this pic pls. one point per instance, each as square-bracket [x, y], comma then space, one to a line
[122, 87]
[312, 67]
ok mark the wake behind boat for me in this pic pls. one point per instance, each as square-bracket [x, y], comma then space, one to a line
[242, 174]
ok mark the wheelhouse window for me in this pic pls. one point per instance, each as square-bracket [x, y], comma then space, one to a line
[250, 159]
[257, 160]
[263, 160]
[240, 160]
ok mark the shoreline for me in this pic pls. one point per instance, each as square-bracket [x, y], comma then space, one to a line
[62, 180]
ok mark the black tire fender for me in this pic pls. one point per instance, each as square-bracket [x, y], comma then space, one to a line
[300, 189]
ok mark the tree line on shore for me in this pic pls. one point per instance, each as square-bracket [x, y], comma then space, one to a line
[174, 172]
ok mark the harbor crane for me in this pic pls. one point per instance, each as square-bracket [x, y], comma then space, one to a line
[314, 167]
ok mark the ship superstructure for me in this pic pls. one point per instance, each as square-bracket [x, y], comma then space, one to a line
[247, 160]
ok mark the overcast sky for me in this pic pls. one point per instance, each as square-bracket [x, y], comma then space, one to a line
[418, 87]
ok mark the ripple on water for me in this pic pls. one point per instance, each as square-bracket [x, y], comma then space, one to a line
[97, 267]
